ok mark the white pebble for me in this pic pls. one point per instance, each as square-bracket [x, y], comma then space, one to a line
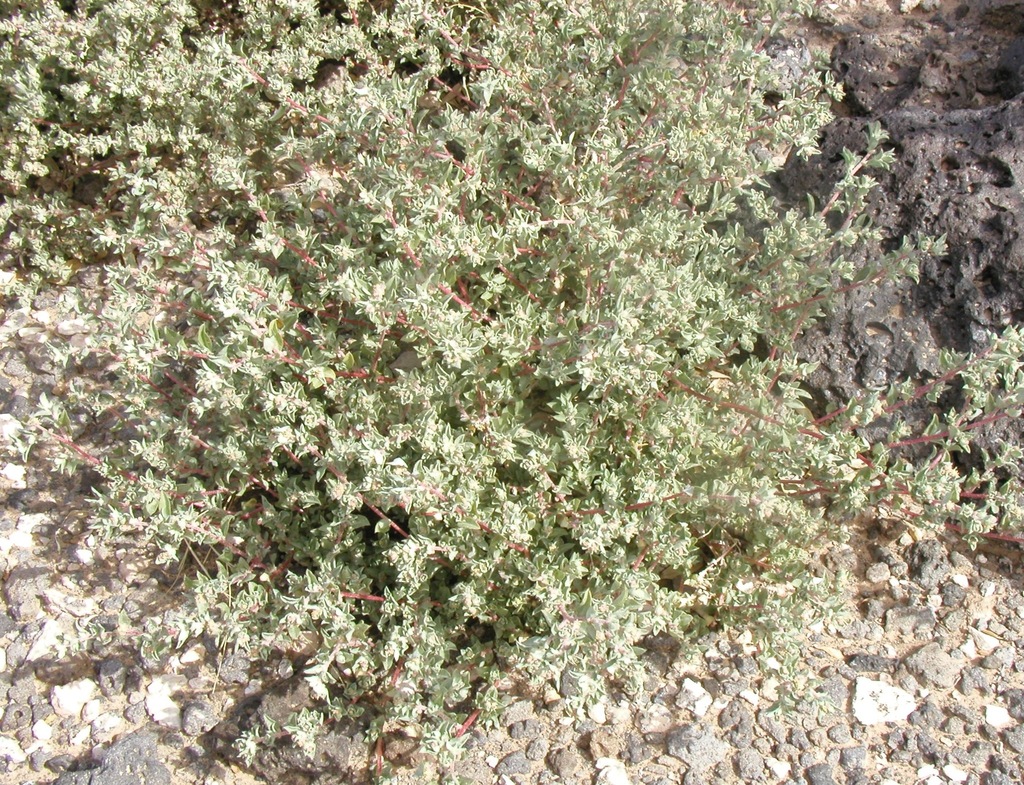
[779, 768]
[42, 731]
[15, 474]
[68, 700]
[998, 717]
[46, 641]
[597, 713]
[751, 697]
[698, 699]
[612, 772]
[983, 642]
[875, 702]
[9, 427]
[955, 774]
[11, 751]
[105, 725]
[163, 711]
[84, 556]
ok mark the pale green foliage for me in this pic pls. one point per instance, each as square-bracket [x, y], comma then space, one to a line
[474, 358]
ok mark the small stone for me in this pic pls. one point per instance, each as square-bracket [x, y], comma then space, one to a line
[955, 773]
[974, 679]
[197, 718]
[779, 768]
[524, 729]
[70, 327]
[655, 719]
[693, 696]
[840, 734]
[1015, 740]
[514, 763]
[871, 663]
[998, 717]
[105, 726]
[983, 642]
[68, 700]
[42, 731]
[234, 669]
[928, 563]
[853, 758]
[15, 475]
[112, 674]
[537, 750]
[750, 764]
[695, 747]
[47, 642]
[605, 743]
[517, 712]
[597, 713]
[565, 762]
[611, 772]
[909, 621]
[11, 751]
[934, 666]
[159, 705]
[1002, 657]
[878, 572]
[876, 702]
[820, 774]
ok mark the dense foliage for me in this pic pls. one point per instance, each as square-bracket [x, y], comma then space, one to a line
[453, 340]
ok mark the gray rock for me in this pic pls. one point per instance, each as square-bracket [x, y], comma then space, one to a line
[820, 774]
[798, 738]
[234, 669]
[16, 716]
[853, 758]
[840, 734]
[637, 751]
[871, 663]
[909, 621]
[111, 676]
[538, 749]
[934, 666]
[928, 563]
[131, 761]
[1015, 740]
[569, 684]
[197, 718]
[772, 727]
[565, 762]
[953, 596]
[974, 679]
[517, 712]
[514, 763]
[750, 764]
[695, 747]
[927, 716]
[1014, 700]
[23, 591]
[524, 729]
[1002, 657]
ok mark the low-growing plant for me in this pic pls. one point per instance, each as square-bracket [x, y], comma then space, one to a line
[454, 341]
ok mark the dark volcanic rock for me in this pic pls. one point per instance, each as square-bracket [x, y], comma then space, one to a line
[131, 761]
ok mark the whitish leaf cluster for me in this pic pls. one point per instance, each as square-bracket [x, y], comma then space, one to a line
[455, 340]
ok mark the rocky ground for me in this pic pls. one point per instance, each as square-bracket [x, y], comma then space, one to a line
[922, 681]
